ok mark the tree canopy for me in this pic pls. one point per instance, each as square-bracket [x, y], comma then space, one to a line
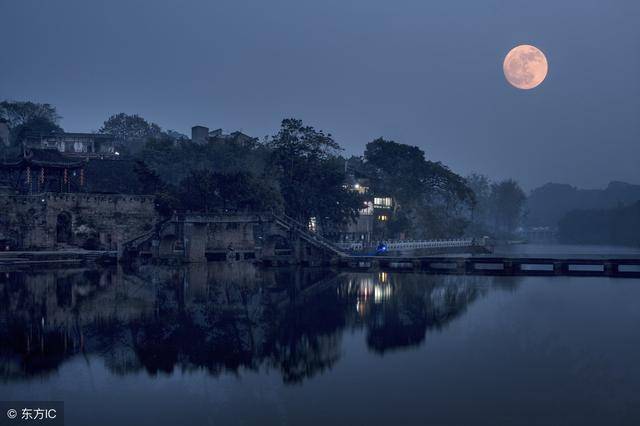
[215, 176]
[311, 175]
[27, 117]
[130, 128]
[204, 190]
[508, 201]
[500, 206]
[20, 113]
[431, 200]
[299, 170]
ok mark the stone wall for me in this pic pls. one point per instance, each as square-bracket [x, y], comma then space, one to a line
[238, 235]
[94, 221]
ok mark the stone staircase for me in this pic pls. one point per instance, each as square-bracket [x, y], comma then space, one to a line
[303, 232]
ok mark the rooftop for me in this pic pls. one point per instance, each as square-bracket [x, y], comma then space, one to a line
[43, 158]
[69, 135]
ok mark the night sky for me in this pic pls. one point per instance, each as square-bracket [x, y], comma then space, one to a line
[426, 73]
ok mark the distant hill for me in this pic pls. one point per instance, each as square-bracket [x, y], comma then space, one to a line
[619, 226]
[548, 204]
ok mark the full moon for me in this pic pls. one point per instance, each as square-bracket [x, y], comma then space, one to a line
[525, 67]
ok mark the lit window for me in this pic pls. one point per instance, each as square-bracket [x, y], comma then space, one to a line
[382, 202]
[382, 218]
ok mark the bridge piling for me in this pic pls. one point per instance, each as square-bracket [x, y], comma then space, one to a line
[509, 267]
[560, 268]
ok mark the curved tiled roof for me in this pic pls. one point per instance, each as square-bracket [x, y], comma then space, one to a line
[44, 158]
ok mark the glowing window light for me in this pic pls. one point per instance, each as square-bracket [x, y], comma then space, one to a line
[382, 202]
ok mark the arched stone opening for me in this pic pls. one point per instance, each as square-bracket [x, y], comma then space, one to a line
[168, 245]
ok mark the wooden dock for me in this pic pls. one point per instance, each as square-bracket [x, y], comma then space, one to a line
[508, 266]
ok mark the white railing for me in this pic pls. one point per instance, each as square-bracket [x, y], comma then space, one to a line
[350, 246]
[415, 244]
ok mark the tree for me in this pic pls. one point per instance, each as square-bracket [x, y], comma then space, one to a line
[204, 190]
[39, 125]
[430, 199]
[243, 191]
[150, 180]
[221, 175]
[197, 191]
[173, 161]
[19, 113]
[130, 128]
[310, 174]
[166, 200]
[507, 202]
[499, 206]
[480, 214]
[27, 117]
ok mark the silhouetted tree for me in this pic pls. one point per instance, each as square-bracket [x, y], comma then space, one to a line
[26, 117]
[150, 180]
[430, 199]
[173, 161]
[480, 214]
[166, 200]
[18, 113]
[507, 201]
[310, 174]
[204, 190]
[130, 128]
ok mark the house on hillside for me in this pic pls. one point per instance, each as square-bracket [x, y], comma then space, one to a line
[373, 216]
[83, 145]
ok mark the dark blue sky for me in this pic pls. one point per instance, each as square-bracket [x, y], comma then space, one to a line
[427, 73]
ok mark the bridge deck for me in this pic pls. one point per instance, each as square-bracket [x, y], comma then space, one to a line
[497, 265]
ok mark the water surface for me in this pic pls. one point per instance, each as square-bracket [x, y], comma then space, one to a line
[231, 344]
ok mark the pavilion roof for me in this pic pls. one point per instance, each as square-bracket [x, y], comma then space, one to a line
[50, 158]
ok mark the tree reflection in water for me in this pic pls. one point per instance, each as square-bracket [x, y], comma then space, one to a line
[219, 317]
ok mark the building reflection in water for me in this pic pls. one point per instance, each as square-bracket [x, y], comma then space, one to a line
[219, 317]
[367, 287]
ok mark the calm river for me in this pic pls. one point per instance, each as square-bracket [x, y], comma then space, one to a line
[230, 344]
